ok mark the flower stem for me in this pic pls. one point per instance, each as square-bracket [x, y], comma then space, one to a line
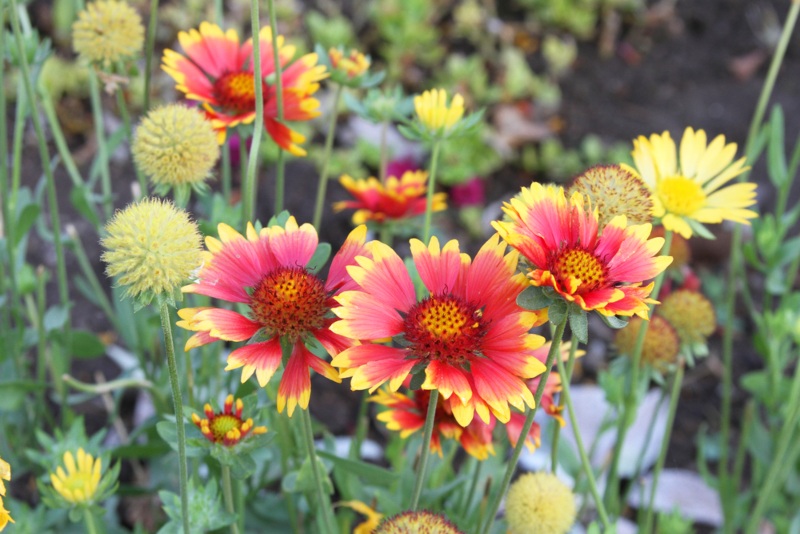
[89, 520]
[587, 466]
[151, 44]
[426, 229]
[473, 485]
[424, 450]
[226, 171]
[323, 175]
[323, 499]
[61, 142]
[166, 325]
[384, 161]
[631, 402]
[675, 395]
[573, 349]
[227, 495]
[279, 176]
[362, 424]
[727, 495]
[555, 347]
[102, 148]
[249, 193]
[122, 104]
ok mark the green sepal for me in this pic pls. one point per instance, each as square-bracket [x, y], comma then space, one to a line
[557, 312]
[533, 298]
[579, 324]
[615, 321]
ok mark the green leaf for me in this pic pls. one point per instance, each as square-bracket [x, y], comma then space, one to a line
[371, 474]
[615, 321]
[86, 345]
[55, 318]
[24, 222]
[320, 258]
[81, 201]
[776, 158]
[557, 312]
[205, 509]
[533, 298]
[579, 324]
[699, 229]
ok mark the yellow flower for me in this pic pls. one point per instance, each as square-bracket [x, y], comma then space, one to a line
[661, 342]
[107, 32]
[614, 191]
[354, 65]
[5, 476]
[152, 246]
[435, 112]
[539, 503]
[78, 485]
[687, 183]
[691, 315]
[417, 523]
[373, 518]
[175, 146]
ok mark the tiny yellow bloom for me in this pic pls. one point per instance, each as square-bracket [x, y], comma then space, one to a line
[175, 146]
[78, 485]
[539, 503]
[108, 31]
[152, 247]
[355, 64]
[687, 183]
[434, 111]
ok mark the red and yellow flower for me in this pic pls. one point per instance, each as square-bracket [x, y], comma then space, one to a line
[269, 272]
[468, 333]
[353, 64]
[226, 427]
[218, 71]
[390, 201]
[560, 239]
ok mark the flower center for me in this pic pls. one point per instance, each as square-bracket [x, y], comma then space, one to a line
[221, 424]
[236, 91]
[681, 195]
[80, 485]
[289, 301]
[444, 328]
[579, 264]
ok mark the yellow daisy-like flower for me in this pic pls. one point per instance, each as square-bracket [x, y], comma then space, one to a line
[614, 191]
[78, 485]
[152, 246]
[539, 503]
[5, 476]
[107, 32]
[687, 183]
[434, 111]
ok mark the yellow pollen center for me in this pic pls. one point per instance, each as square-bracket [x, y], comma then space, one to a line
[581, 265]
[681, 195]
[444, 328]
[224, 423]
[444, 320]
[236, 91]
[289, 301]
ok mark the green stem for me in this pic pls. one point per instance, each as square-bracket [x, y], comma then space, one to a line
[631, 402]
[573, 349]
[494, 505]
[322, 186]
[279, 177]
[473, 485]
[249, 193]
[587, 466]
[52, 200]
[227, 495]
[727, 496]
[323, 499]
[647, 439]
[284, 438]
[362, 425]
[674, 397]
[151, 44]
[384, 161]
[19, 130]
[102, 148]
[89, 520]
[425, 449]
[166, 325]
[86, 267]
[219, 12]
[226, 171]
[426, 229]
[778, 465]
[61, 142]
[741, 452]
[122, 105]
[386, 235]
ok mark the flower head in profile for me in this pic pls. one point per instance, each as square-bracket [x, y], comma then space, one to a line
[394, 200]
[687, 182]
[420, 522]
[348, 69]
[560, 239]
[271, 273]
[108, 31]
[80, 481]
[226, 427]
[152, 247]
[218, 71]
[539, 503]
[467, 335]
[614, 191]
[436, 111]
[5, 476]
[176, 147]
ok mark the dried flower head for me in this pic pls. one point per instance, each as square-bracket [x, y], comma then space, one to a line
[661, 342]
[226, 427]
[176, 147]
[152, 247]
[422, 522]
[435, 112]
[539, 503]
[614, 191]
[108, 31]
[690, 313]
